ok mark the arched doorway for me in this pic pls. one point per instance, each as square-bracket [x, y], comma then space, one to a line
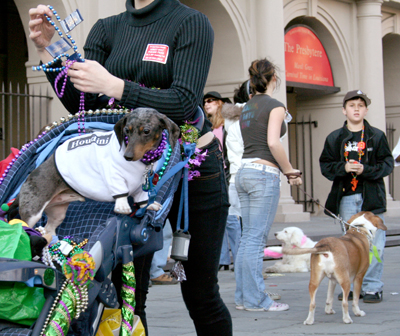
[14, 116]
[391, 69]
[314, 108]
[230, 55]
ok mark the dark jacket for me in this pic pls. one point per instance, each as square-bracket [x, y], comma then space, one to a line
[378, 163]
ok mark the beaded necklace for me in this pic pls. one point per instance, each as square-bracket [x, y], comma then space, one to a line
[81, 111]
[60, 251]
[152, 156]
[76, 57]
[360, 150]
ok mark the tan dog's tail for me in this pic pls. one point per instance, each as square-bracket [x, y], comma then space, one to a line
[300, 250]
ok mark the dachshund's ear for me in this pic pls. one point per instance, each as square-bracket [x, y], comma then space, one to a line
[119, 129]
[173, 129]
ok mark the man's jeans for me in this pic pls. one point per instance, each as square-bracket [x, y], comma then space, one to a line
[349, 206]
[259, 196]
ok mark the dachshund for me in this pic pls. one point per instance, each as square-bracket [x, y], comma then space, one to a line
[103, 166]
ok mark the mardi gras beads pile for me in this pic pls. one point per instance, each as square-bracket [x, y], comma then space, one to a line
[78, 267]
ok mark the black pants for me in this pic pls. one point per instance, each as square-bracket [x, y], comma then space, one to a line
[208, 211]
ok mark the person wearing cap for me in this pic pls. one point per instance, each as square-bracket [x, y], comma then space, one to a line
[213, 102]
[356, 158]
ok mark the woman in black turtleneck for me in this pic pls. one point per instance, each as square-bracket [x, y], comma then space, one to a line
[116, 66]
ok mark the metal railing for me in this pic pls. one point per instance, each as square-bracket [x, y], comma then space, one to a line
[22, 115]
[301, 156]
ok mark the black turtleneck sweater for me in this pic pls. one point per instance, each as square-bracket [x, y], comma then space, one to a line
[120, 42]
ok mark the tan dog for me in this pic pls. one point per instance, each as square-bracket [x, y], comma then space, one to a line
[343, 260]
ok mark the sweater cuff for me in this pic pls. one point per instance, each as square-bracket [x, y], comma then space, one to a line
[130, 95]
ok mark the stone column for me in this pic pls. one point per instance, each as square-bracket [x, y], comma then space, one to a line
[369, 24]
[270, 32]
[370, 58]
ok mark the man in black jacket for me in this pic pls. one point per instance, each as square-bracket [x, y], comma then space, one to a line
[356, 158]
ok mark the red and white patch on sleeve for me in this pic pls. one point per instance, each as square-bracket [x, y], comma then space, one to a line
[156, 53]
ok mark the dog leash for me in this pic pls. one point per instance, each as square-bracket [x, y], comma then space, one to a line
[343, 223]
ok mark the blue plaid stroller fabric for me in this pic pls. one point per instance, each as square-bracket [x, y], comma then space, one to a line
[93, 220]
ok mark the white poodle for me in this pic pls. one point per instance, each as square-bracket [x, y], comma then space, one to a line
[290, 236]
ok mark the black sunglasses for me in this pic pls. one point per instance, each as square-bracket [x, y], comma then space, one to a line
[210, 100]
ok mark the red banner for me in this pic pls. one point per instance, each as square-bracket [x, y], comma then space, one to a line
[305, 58]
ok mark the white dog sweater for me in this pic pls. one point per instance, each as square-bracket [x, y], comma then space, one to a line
[94, 166]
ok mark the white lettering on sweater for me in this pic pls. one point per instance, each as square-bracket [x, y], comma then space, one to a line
[88, 140]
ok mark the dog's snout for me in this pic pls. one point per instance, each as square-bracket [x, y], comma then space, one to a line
[127, 158]
[276, 233]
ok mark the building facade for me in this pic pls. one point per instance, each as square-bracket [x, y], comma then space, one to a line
[359, 39]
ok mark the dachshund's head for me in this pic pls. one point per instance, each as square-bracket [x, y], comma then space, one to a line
[144, 127]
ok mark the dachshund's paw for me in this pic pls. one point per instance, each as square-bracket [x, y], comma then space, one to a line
[155, 206]
[122, 206]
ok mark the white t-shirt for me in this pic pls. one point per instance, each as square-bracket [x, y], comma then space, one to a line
[94, 166]
[396, 153]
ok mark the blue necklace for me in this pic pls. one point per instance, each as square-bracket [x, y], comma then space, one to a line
[77, 56]
[64, 69]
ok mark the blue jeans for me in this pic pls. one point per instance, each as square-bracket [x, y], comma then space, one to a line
[349, 206]
[231, 240]
[233, 230]
[160, 257]
[259, 196]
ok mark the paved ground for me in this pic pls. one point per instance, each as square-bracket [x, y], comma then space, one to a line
[167, 315]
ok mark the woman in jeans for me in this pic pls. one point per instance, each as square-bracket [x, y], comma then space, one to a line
[258, 184]
[119, 62]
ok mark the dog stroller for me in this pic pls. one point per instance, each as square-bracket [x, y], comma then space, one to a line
[111, 239]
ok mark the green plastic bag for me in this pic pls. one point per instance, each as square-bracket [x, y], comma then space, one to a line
[18, 302]
[14, 242]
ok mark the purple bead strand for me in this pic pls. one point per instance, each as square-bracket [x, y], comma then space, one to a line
[153, 155]
[62, 74]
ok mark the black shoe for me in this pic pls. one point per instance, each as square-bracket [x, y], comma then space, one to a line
[370, 297]
[350, 298]
[226, 267]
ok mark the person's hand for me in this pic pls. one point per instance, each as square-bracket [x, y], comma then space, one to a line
[360, 170]
[296, 181]
[41, 31]
[293, 177]
[91, 76]
[354, 167]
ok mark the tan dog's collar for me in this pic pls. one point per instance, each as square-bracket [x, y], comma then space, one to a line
[366, 233]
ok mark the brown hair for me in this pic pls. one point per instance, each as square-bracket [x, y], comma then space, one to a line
[216, 119]
[261, 74]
